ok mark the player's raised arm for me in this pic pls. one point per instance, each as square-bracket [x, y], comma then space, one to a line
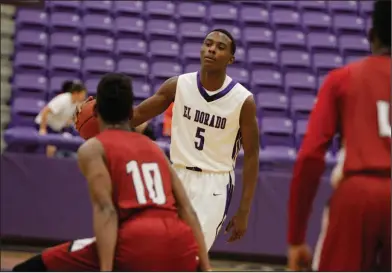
[188, 214]
[156, 104]
[105, 219]
[250, 142]
[310, 163]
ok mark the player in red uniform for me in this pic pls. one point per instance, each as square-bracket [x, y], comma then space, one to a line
[354, 100]
[142, 219]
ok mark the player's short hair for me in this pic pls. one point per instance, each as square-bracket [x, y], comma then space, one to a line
[77, 87]
[114, 98]
[66, 86]
[381, 18]
[228, 34]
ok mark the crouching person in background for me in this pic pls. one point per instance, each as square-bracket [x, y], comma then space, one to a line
[57, 115]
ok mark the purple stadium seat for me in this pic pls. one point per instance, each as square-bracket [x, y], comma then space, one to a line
[161, 28]
[30, 40]
[34, 61]
[272, 104]
[65, 21]
[192, 31]
[251, 3]
[96, 23]
[288, 4]
[320, 80]
[233, 29]
[346, 6]
[351, 59]
[368, 24]
[344, 23]
[164, 70]
[281, 154]
[126, 47]
[324, 62]
[91, 86]
[127, 7]
[21, 135]
[282, 18]
[160, 8]
[366, 8]
[276, 131]
[68, 6]
[300, 131]
[97, 6]
[161, 48]
[64, 64]
[316, 21]
[191, 51]
[223, 12]
[267, 79]
[31, 19]
[240, 75]
[353, 44]
[192, 68]
[294, 60]
[24, 111]
[98, 44]
[128, 27]
[133, 67]
[56, 83]
[296, 82]
[255, 36]
[30, 86]
[301, 106]
[254, 16]
[98, 65]
[290, 39]
[141, 90]
[263, 57]
[240, 55]
[191, 10]
[65, 42]
[306, 5]
[322, 42]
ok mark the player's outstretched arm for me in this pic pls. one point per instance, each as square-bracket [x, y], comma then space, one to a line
[105, 219]
[188, 214]
[250, 143]
[156, 104]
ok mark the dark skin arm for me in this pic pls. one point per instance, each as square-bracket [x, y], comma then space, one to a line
[188, 215]
[156, 104]
[250, 143]
[105, 219]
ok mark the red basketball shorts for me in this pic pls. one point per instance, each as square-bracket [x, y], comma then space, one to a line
[356, 228]
[145, 243]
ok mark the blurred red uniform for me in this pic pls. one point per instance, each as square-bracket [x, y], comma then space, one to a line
[356, 234]
[151, 237]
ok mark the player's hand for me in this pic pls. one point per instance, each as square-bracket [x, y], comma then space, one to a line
[42, 131]
[299, 258]
[238, 226]
[79, 108]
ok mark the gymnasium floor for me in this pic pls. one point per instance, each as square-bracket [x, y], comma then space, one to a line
[11, 257]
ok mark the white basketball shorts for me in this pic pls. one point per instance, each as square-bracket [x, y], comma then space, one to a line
[210, 195]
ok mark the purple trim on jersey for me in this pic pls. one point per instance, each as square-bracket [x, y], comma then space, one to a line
[237, 145]
[216, 96]
[229, 195]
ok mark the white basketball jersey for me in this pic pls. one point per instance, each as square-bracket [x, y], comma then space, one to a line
[205, 128]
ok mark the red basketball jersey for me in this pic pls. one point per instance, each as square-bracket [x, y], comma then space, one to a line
[139, 171]
[366, 113]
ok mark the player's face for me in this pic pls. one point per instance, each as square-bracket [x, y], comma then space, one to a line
[216, 51]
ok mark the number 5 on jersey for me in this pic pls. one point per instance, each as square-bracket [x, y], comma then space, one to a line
[149, 179]
[199, 143]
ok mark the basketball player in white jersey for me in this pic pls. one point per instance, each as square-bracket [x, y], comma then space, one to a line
[213, 116]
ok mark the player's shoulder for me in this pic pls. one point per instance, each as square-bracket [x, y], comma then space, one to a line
[90, 148]
[189, 75]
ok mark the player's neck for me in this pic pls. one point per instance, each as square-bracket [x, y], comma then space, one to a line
[212, 80]
[120, 126]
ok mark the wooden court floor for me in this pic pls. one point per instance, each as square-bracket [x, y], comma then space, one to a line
[10, 258]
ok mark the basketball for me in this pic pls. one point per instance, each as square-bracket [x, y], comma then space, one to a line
[86, 121]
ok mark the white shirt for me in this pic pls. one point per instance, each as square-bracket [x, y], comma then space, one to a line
[206, 125]
[62, 108]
